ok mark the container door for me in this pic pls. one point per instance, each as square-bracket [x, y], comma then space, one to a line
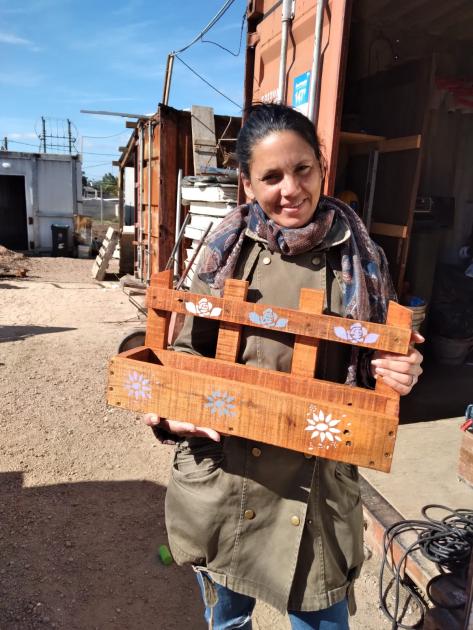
[13, 228]
[263, 59]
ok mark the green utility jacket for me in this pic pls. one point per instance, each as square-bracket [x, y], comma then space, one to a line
[265, 521]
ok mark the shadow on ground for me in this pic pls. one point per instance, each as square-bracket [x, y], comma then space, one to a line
[18, 333]
[79, 556]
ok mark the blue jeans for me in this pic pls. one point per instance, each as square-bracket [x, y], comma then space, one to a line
[233, 611]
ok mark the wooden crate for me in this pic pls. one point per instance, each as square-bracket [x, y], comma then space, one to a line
[292, 410]
[465, 461]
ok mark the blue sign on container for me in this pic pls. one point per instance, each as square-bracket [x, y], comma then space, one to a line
[300, 93]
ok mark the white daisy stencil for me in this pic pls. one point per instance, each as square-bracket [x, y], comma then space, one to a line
[324, 428]
[138, 386]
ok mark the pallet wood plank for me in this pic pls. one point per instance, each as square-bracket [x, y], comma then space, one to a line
[357, 397]
[304, 357]
[229, 335]
[397, 316]
[203, 138]
[394, 338]
[157, 323]
[315, 427]
[99, 268]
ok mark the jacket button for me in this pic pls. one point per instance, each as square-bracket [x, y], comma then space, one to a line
[256, 452]
[308, 456]
[249, 514]
[266, 260]
[295, 520]
[316, 260]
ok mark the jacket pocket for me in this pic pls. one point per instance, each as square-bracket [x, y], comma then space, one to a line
[196, 459]
[196, 503]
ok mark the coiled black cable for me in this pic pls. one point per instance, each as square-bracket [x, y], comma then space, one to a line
[447, 542]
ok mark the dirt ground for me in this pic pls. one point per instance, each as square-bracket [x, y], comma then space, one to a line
[82, 485]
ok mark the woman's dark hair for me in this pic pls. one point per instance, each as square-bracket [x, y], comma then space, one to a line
[263, 119]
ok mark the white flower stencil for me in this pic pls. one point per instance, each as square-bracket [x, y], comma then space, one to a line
[138, 386]
[355, 334]
[203, 308]
[324, 428]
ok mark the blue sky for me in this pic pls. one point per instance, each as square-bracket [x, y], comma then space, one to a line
[60, 56]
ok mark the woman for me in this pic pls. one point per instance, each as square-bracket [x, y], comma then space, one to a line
[258, 521]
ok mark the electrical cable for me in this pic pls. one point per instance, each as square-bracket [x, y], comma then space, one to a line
[237, 54]
[207, 28]
[59, 146]
[207, 82]
[447, 542]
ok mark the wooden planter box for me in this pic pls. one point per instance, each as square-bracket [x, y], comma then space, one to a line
[291, 410]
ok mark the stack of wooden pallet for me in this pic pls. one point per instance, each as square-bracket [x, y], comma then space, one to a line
[208, 203]
[99, 268]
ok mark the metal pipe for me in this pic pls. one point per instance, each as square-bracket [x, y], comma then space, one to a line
[287, 16]
[178, 241]
[314, 88]
[194, 256]
[150, 154]
[177, 253]
[140, 207]
[168, 78]
[121, 114]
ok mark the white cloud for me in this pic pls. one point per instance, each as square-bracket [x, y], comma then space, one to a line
[10, 38]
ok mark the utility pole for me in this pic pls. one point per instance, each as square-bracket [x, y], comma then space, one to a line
[44, 134]
[69, 135]
[5, 144]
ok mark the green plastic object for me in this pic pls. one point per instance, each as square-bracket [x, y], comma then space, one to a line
[165, 555]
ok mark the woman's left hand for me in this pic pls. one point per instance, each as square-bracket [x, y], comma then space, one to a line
[399, 371]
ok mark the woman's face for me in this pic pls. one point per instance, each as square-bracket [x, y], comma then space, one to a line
[285, 178]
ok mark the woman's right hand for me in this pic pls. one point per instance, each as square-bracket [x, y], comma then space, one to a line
[182, 429]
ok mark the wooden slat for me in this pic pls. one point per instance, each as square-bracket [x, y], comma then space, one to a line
[266, 415]
[229, 335]
[304, 358]
[203, 138]
[131, 125]
[391, 339]
[405, 143]
[397, 316]
[356, 397]
[157, 324]
[389, 229]
[352, 137]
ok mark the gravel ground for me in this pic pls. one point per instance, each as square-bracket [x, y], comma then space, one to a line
[82, 485]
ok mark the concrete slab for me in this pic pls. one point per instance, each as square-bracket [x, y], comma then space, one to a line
[424, 469]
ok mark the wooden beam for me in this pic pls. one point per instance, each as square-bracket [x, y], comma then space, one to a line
[229, 335]
[389, 229]
[304, 356]
[131, 125]
[404, 143]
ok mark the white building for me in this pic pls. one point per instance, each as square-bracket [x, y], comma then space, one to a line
[37, 190]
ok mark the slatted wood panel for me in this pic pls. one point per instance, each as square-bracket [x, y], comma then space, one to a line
[294, 411]
[299, 322]
[99, 268]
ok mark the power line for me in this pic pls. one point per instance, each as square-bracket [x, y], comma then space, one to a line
[26, 144]
[237, 54]
[115, 135]
[207, 28]
[94, 165]
[207, 82]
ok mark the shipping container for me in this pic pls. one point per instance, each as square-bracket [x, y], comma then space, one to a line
[392, 99]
